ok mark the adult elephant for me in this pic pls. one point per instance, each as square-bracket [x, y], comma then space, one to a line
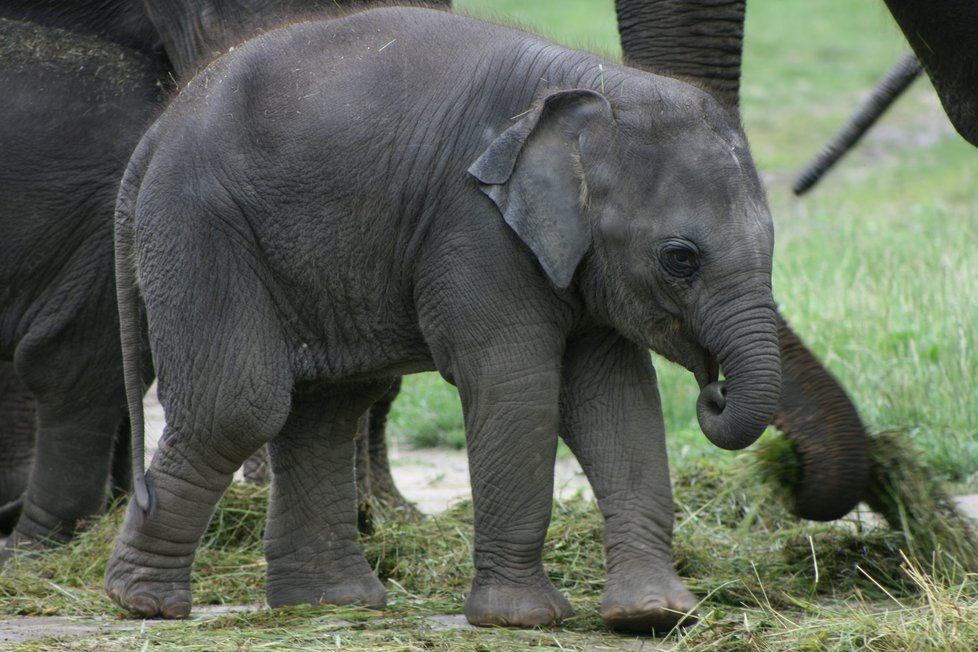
[436, 203]
[123, 22]
[702, 40]
[83, 79]
[74, 109]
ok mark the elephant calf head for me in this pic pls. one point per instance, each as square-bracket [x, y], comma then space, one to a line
[647, 197]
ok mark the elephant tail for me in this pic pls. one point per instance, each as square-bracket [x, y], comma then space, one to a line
[130, 323]
[893, 84]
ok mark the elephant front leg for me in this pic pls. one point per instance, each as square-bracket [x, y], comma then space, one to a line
[611, 418]
[311, 536]
[511, 423]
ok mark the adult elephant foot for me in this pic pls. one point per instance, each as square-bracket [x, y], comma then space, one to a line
[146, 584]
[19, 546]
[647, 602]
[501, 603]
[284, 588]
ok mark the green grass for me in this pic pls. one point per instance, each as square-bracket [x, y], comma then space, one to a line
[584, 24]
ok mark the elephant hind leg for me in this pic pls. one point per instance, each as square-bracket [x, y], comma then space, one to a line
[383, 489]
[311, 536]
[221, 406]
[149, 569]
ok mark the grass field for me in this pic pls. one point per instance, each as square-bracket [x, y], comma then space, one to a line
[877, 269]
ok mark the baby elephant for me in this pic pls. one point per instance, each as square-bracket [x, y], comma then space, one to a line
[336, 203]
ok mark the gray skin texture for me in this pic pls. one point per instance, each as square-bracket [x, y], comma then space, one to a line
[702, 40]
[943, 36]
[16, 444]
[335, 204]
[74, 108]
[17, 424]
[60, 178]
[124, 22]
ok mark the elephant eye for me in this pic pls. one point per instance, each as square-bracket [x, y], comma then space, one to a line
[680, 259]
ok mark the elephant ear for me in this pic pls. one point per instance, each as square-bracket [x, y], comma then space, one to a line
[534, 175]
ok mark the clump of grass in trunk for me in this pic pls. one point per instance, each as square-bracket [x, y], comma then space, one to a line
[905, 493]
[913, 503]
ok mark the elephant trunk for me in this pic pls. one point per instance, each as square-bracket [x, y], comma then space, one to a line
[734, 412]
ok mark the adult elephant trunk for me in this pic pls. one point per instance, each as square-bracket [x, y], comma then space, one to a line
[698, 40]
[824, 427]
[734, 412]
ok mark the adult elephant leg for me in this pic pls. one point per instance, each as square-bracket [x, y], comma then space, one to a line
[383, 489]
[70, 362]
[942, 35]
[612, 420]
[16, 444]
[70, 474]
[816, 414]
[510, 403]
[311, 536]
[698, 40]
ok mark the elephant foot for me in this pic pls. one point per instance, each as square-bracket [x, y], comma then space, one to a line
[638, 602]
[516, 605]
[19, 546]
[160, 590]
[365, 589]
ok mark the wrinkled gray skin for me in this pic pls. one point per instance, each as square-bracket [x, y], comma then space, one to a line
[16, 444]
[335, 204]
[73, 110]
[702, 41]
[943, 36]
[17, 424]
[59, 179]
